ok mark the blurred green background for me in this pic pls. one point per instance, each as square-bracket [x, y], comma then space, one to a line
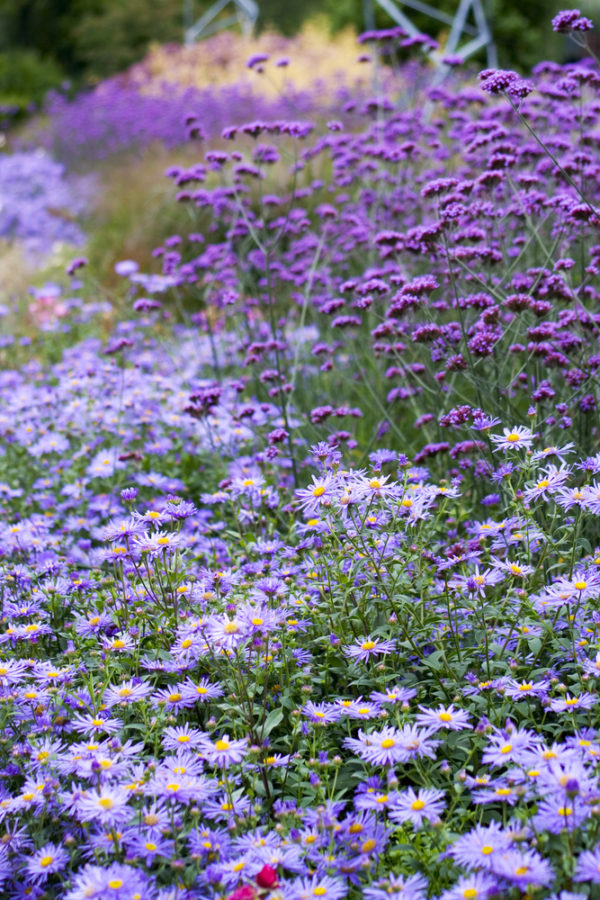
[71, 43]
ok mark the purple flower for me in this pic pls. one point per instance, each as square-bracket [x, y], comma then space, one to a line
[443, 717]
[425, 805]
[223, 752]
[45, 862]
[476, 886]
[588, 866]
[569, 20]
[480, 847]
[108, 806]
[380, 748]
[117, 881]
[518, 436]
[321, 886]
[397, 887]
[524, 868]
[368, 647]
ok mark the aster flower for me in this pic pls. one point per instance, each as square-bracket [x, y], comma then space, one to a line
[200, 691]
[117, 881]
[443, 717]
[108, 805]
[477, 886]
[507, 746]
[588, 867]
[323, 713]
[396, 694]
[425, 805]
[568, 703]
[397, 887]
[319, 886]
[518, 436]
[368, 647]
[46, 861]
[478, 848]
[380, 748]
[559, 813]
[223, 752]
[518, 690]
[126, 692]
[174, 738]
[524, 868]
[320, 493]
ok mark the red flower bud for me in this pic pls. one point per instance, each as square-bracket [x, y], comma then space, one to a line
[267, 877]
[246, 892]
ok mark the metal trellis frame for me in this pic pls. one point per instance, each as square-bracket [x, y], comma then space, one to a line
[241, 12]
[478, 32]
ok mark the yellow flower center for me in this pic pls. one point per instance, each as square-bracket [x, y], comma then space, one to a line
[487, 849]
[222, 745]
[387, 743]
[115, 884]
[445, 717]
[513, 437]
[45, 861]
[318, 492]
[417, 805]
[367, 645]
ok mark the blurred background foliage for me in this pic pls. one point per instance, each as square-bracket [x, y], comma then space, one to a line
[69, 44]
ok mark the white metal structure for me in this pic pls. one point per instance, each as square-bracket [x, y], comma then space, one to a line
[477, 33]
[239, 12]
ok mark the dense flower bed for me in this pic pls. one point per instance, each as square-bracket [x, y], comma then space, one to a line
[248, 654]
[39, 205]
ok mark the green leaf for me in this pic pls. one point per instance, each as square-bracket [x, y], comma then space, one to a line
[272, 720]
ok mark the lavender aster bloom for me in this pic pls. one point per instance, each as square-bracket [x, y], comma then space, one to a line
[45, 862]
[321, 886]
[117, 881]
[523, 868]
[224, 752]
[397, 887]
[423, 806]
[476, 886]
[443, 717]
[478, 848]
[367, 647]
[588, 866]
